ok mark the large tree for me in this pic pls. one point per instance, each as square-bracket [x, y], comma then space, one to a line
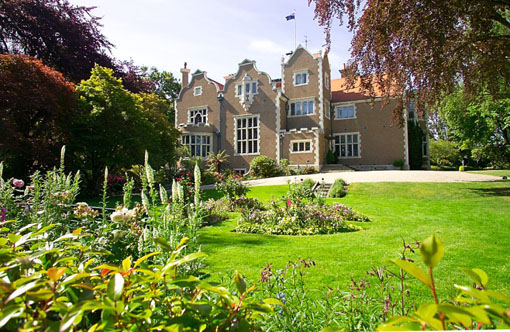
[61, 35]
[425, 46]
[117, 126]
[37, 105]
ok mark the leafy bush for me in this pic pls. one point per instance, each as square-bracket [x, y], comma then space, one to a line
[243, 203]
[399, 163]
[285, 167]
[231, 186]
[307, 170]
[473, 308]
[263, 166]
[65, 290]
[216, 210]
[331, 157]
[444, 154]
[338, 189]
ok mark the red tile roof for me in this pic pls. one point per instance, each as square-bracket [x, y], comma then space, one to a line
[341, 91]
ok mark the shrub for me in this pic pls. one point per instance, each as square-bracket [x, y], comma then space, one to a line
[338, 189]
[307, 170]
[63, 289]
[232, 186]
[444, 154]
[216, 210]
[263, 166]
[331, 158]
[285, 167]
[399, 163]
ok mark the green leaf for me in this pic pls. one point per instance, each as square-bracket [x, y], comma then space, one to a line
[115, 287]
[140, 260]
[427, 311]
[10, 312]
[330, 329]
[23, 289]
[432, 251]
[456, 314]
[163, 244]
[272, 301]
[55, 273]
[240, 283]
[126, 264]
[69, 319]
[477, 275]
[14, 237]
[476, 293]
[413, 270]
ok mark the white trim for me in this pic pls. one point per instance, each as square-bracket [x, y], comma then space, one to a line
[301, 100]
[278, 125]
[406, 140]
[196, 74]
[197, 91]
[291, 150]
[246, 62]
[359, 144]
[316, 134]
[243, 170]
[299, 47]
[345, 105]
[211, 144]
[301, 72]
[321, 98]
[191, 109]
[258, 134]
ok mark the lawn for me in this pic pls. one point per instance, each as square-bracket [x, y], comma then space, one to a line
[471, 219]
[498, 172]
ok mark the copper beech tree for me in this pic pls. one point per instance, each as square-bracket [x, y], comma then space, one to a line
[425, 46]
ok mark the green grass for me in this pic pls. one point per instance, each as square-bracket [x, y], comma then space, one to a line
[499, 172]
[471, 219]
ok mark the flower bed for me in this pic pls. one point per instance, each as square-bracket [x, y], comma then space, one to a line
[296, 218]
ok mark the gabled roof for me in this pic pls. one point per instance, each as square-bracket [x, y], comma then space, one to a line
[199, 72]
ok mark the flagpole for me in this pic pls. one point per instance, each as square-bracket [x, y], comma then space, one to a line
[295, 45]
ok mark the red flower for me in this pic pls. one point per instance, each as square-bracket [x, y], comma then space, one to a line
[178, 179]
[289, 203]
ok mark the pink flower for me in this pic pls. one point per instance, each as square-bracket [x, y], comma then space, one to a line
[178, 179]
[18, 183]
[289, 203]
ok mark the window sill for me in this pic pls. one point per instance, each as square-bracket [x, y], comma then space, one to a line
[353, 118]
[299, 116]
[300, 84]
[300, 152]
[246, 154]
[359, 157]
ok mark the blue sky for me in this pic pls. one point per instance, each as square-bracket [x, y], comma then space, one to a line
[213, 35]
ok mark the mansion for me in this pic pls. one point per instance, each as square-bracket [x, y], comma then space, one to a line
[298, 117]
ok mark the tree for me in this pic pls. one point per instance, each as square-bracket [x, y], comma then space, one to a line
[480, 124]
[117, 126]
[61, 35]
[425, 47]
[37, 105]
[444, 153]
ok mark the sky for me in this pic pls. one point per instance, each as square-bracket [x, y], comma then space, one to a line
[213, 35]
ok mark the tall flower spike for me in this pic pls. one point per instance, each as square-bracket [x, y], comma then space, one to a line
[174, 191]
[198, 181]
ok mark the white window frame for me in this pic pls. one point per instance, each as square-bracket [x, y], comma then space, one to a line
[301, 101]
[352, 134]
[202, 145]
[326, 81]
[197, 91]
[247, 140]
[251, 83]
[191, 117]
[298, 141]
[301, 72]
[241, 171]
[327, 107]
[344, 106]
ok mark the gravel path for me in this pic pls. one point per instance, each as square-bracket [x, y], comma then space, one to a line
[380, 176]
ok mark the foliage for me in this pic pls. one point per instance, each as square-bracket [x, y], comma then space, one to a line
[64, 289]
[473, 308]
[300, 213]
[232, 186]
[216, 160]
[331, 157]
[37, 105]
[338, 189]
[263, 166]
[415, 139]
[444, 153]
[63, 36]
[307, 170]
[216, 210]
[424, 48]
[399, 163]
[113, 120]
[480, 124]
[285, 167]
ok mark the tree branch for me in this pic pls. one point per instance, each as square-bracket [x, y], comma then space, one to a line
[500, 19]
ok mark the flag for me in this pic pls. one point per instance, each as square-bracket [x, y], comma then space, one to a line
[291, 17]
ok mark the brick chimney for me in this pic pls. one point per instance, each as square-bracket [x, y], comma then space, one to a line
[185, 75]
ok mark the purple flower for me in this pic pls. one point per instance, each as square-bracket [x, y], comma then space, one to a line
[18, 183]
[3, 216]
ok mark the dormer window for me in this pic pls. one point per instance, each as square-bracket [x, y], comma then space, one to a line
[301, 77]
[246, 90]
[197, 91]
[197, 116]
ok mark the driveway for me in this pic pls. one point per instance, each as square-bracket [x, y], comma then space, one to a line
[379, 176]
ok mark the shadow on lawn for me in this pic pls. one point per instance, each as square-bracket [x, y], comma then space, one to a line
[499, 192]
[215, 241]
